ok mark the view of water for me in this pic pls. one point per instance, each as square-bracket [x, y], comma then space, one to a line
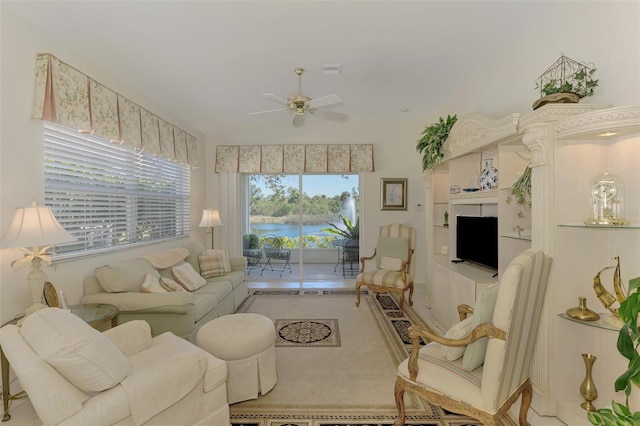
[286, 230]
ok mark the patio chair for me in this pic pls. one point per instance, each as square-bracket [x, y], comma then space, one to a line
[252, 251]
[350, 257]
[394, 268]
[273, 251]
[483, 373]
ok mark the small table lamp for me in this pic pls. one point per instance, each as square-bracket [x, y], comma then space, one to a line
[210, 219]
[35, 229]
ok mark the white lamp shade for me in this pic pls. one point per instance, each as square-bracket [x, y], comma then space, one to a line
[210, 218]
[35, 226]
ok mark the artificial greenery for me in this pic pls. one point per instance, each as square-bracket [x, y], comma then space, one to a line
[581, 83]
[351, 231]
[628, 342]
[521, 191]
[432, 139]
[251, 241]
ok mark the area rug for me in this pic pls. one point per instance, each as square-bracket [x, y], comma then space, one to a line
[348, 384]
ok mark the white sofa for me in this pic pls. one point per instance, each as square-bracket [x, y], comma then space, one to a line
[76, 376]
[181, 313]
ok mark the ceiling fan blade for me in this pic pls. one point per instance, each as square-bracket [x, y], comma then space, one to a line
[276, 98]
[297, 120]
[269, 110]
[332, 115]
[324, 101]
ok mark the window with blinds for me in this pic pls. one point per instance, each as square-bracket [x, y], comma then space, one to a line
[109, 195]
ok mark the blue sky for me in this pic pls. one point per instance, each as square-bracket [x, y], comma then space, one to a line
[321, 184]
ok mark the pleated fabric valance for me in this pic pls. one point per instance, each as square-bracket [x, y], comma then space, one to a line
[294, 158]
[67, 96]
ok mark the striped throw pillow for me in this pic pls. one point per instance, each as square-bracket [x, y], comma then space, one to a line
[211, 265]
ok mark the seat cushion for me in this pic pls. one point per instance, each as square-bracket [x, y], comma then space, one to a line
[124, 275]
[385, 278]
[80, 353]
[236, 278]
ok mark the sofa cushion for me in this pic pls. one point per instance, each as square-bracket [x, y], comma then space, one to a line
[204, 303]
[236, 278]
[211, 265]
[225, 257]
[124, 275]
[391, 263]
[195, 250]
[151, 284]
[80, 353]
[187, 277]
[482, 312]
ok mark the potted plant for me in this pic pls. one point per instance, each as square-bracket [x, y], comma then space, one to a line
[520, 191]
[566, 81]
[350, 231]
[628, 342]
[432, 139]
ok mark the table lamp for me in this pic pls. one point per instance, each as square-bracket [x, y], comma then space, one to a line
[210, 219]
[35, 229]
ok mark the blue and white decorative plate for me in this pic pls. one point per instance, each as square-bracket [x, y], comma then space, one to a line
[489, 176]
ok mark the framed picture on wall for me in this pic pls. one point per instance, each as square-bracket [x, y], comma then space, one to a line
[393, 194]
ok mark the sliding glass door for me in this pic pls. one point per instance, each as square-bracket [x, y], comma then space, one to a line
[289, 217]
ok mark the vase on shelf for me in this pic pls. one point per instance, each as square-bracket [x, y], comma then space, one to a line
[588, 388]
[489, 176]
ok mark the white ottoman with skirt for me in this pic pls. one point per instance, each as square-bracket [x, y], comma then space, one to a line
[246, 342]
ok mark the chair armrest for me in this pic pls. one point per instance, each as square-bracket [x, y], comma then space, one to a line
[363, 259]
[238, 263]
[464, 311]
[416, 332]
[130, 337]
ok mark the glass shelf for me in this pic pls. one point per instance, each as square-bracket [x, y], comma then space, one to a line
[515, 236]
[582, 225]
[440, 202]
[441, 226]
[606, 321]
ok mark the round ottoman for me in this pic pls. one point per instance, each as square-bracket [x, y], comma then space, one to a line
[246, 342]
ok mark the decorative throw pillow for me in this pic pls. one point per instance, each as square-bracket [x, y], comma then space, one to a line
[211, 266]
[391, 247]
[187, 277]
[391, 263]
[458, 331]
[226, 262]
[170, 285]
[482, 312]
[151, 284]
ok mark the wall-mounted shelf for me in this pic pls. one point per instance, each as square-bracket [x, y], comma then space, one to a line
[582, 225]
[516, 236]
[606, 322]
[478, 197]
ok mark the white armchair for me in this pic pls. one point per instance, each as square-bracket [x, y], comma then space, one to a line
[486, 378]
[75, 375]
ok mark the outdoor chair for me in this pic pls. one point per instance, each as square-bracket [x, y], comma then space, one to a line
[273, 251]
[252, 251]
[481, 366]
[350, 257]
[393, 271]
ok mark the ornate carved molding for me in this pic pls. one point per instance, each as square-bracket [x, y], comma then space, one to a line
[473, 131]
[556, 112]
[535, 138]
[620, 119]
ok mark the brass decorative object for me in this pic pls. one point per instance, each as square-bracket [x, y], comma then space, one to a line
[588, 388]
[604, 296]
[581, 311]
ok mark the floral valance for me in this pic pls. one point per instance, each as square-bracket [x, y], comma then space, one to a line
[67, 96]
[294, 158]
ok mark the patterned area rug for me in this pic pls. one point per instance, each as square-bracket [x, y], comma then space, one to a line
[304, 333]
[350, 384]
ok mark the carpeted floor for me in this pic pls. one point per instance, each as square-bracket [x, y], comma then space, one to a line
[345, 383]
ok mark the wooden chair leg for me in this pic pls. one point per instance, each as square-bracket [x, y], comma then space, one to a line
[358, 285]
[527, 394]
[400, 295]
[411, 294]
[399, 395]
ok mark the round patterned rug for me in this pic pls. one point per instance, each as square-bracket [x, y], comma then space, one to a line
[307, 332]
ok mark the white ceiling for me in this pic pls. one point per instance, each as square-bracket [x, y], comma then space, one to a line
[208, 61]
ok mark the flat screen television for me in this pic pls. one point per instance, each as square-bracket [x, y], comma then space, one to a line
[477, 240]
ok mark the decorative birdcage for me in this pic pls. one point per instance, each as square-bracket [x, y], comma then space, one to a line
[567, 76]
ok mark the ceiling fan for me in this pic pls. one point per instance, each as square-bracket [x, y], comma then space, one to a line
[300, 104]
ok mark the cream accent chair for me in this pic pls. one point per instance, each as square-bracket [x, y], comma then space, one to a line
[75, 375]
[393, 271]
[486, 392]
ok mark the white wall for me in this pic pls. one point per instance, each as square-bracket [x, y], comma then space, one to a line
[21, 158]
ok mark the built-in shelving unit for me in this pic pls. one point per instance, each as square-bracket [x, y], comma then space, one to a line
[565, 148]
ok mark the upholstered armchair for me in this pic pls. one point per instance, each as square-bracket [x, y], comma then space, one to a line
[75, 375]
[393, 271]
[481, 366]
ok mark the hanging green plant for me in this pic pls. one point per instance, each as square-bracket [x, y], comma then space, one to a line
[431, 142]
[521, 191]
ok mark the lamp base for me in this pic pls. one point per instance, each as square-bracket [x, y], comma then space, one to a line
[36, 279]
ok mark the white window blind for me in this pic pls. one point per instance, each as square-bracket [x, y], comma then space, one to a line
[109, 195]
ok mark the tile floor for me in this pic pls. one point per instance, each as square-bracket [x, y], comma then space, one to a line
[22, 413]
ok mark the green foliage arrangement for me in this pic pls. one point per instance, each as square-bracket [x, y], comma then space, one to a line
[628, 342]
[351, 231]
[251, 241]
[432, 139]
[581, 83]
[521, 191]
